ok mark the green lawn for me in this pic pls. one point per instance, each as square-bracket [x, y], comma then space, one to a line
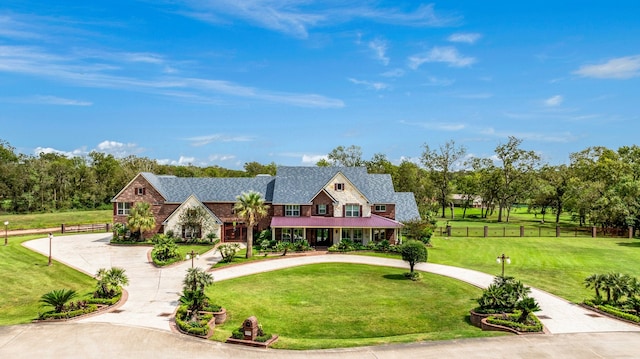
[343, 305]
[557, 265]
[26, 277]
[53, 220]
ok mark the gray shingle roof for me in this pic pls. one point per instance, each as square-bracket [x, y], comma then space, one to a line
[291, 185]
[178, 189]
[406, 207]
[298, 185]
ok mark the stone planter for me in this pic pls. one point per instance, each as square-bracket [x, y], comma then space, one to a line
[220, 316]
[476, 318]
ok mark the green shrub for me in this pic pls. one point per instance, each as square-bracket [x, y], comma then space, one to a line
[105, 301]
[68, 314]
[164, 249]
[228, 251]
[383, 246]
[238, 333]
[618, 313]
[511, 321]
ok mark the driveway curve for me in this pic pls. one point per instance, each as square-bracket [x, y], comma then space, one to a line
[153, 295]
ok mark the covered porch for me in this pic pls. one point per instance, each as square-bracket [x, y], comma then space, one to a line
[327, 231]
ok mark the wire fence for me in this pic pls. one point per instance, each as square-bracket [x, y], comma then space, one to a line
[534, 231]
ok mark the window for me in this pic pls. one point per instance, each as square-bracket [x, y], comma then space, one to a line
[292, 234]
[123, 208]
[339, 186]
[191, 232]
[354, 234]
[379, 234]
[352, 210]
[380, 208]
[322, 209]
[292, 210]
[140, 191]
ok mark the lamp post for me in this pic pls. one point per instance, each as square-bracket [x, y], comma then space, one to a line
[502, 259]
[192, 255]
[6, 238]
[50, 238]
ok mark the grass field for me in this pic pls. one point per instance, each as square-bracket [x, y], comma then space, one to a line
[343, 305]
[557, 265]
[25, 277]
[53, 220]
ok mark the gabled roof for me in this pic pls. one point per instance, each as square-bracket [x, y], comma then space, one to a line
[200, 204]
[297, 185]
[178, 189]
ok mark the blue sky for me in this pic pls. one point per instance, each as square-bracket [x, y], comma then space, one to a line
[224, 82]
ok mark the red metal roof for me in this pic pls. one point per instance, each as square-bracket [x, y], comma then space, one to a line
[335, 222]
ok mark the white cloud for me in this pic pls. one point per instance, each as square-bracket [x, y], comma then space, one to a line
[554, 101]
[379, 48]
[393, 73]
[468, 38]
[370, 85]
[205, 140]
[118, 149]
[48, 100]
[436, 125]
[447, 54]
[86, 72]
[220, 158]
[435, 81]
[297, 17]
[69, 154]
[555, 137]
[618, 68]
[312, 159]
[186, 160]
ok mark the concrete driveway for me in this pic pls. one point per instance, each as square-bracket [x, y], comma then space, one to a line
[153, 295]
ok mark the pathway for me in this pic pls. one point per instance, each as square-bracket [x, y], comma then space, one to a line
[153, 292]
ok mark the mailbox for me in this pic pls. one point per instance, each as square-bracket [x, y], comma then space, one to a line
[250, 328]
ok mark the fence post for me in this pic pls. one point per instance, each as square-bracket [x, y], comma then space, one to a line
[557, 231]
[448, 231]
[539, 231]
[594, 232]
[504, 231]
[521, 231]
[486, 231]
[62, 228]
[108, 226]
[467, 231]
[630, 232]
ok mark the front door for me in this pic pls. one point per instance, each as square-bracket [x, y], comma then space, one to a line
[323, 237]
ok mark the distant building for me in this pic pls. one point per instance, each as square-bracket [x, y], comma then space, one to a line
[458, 200]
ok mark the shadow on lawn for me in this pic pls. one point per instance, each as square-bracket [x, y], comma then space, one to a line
[395, 276]
[629, 244]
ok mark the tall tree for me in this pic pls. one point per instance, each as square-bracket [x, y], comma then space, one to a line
[251, 208]
[346, 157]
[441, 163]
[141, 219]
[254, 168]
[517, 171]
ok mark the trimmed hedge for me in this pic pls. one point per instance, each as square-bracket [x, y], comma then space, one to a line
[105, 301]
[201, 327]
[615, 311]
[513, 324]
[70, 314]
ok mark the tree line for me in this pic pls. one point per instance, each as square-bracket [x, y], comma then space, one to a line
[599, 186]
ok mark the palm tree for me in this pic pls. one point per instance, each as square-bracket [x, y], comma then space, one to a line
[526, 306]
[595, 281]
[251, 208]
[58, 298]
[197, 280]
[141, 219]
[110, 281]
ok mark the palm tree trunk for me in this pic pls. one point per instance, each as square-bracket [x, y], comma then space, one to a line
[249, 241]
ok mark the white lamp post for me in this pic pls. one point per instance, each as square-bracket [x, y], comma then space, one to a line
[50, 238]
[192, 255]
[502, 259]
[6, 238]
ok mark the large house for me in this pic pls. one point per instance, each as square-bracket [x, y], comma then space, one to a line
[322, 205]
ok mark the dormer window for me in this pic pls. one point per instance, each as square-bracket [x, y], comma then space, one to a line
[339, 186]
[380, 208]
[140, 191]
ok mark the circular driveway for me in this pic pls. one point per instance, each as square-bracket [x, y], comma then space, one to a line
[153, 295]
